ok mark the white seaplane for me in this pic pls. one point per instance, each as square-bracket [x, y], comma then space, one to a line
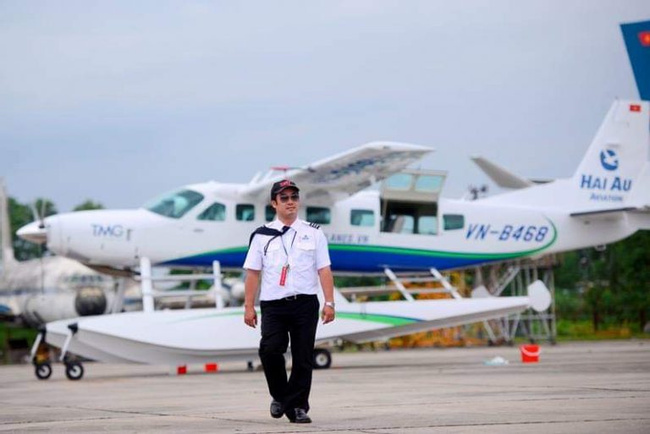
[404, 226]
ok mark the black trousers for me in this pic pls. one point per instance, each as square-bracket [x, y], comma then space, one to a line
[295, 318]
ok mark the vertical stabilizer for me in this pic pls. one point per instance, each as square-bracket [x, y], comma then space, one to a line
[637, 41]
[615, 162]
[7, 252]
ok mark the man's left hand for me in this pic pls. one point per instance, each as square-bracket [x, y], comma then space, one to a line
[328, 314]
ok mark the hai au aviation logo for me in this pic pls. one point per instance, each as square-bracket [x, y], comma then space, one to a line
[608, 159]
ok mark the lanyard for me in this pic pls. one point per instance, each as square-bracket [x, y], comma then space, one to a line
[291, 246]
[285, 268]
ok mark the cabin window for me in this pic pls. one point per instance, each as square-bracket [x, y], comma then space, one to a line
[400, 224]
[428, 225]
[319, 215]
[399, 181]
[175, 204]
[269, 213]
[362, 217]
[429, 183]
[215, 212]
[245, 212]
[453, 221]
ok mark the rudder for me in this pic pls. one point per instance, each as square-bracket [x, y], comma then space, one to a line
[617, 157]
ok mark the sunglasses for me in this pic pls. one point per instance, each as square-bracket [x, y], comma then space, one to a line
[294, 197]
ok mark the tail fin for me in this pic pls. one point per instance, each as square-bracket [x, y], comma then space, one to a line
[617, 159]
[637, 41]
[6, 251]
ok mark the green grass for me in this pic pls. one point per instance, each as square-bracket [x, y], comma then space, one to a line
[583, 330]
[9, 331]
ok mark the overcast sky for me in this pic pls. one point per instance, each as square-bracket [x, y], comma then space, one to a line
[120, 101]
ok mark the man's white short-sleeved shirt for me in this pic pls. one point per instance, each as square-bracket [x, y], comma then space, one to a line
[303, 247]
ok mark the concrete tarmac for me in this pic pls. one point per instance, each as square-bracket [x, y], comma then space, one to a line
[598, 387]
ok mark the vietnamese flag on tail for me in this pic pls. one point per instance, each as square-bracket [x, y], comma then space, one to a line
[637, 42]
[635, 107]
[644, 37]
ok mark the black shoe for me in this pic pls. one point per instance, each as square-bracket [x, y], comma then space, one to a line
[300, 416]
[276, 409]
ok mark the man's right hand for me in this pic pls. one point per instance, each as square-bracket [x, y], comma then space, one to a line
[250, 316]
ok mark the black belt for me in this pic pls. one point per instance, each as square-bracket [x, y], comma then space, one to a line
[288, 299]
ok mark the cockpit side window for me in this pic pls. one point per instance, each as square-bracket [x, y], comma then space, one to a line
[245, 212]
[453, 221]
[215, 212]
[362, 217]
[320, 215]
[175, 204]
[269, 213]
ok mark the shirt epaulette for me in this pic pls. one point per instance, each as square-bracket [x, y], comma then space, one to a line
[313, 225]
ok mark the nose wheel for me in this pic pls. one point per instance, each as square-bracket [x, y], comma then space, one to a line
[43, 370]
[322, 358]
[74, 370]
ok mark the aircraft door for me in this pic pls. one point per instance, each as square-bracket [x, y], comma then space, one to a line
[409, 203]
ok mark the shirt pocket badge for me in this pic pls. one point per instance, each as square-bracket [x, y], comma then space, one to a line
[306, 253]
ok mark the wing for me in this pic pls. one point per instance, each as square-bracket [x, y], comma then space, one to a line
[347, 173]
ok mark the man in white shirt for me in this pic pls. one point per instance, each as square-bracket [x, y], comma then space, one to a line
[291, 257]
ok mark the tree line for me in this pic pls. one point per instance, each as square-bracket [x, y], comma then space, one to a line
[609, 287]
[21, 214]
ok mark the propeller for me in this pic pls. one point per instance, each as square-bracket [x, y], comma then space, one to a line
[39, 217]
[40, 214]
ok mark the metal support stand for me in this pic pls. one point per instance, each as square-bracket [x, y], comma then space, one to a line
[514, 281]
[436, 276]
[149, 294]
[147, 285]
[118, 302]
[216, 288]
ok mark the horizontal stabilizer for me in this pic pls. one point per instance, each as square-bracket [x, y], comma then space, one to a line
[602, 211]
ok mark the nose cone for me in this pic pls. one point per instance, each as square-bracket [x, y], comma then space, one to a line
[34, 232]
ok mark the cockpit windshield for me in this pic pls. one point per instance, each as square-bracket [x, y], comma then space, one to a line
[175, 204]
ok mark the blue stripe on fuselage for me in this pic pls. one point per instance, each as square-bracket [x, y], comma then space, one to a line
[350, 261]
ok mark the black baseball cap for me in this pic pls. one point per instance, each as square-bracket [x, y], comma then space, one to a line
[280, 186]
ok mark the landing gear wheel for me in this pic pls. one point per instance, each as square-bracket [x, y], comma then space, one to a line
[43, 371]
[74, 370]
[322, 358]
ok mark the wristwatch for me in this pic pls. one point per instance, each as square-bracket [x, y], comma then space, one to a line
[330, 304]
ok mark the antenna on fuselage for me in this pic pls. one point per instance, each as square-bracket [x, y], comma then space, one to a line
[476, 192]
